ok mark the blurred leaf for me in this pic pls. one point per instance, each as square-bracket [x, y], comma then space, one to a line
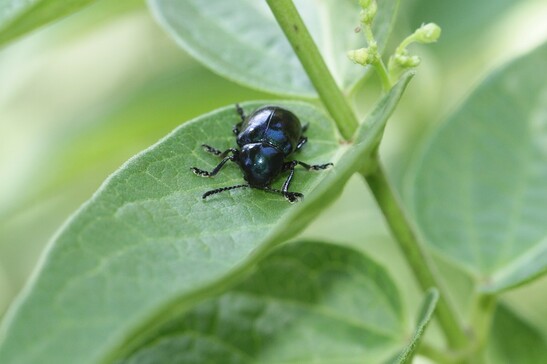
[69, 131]
[4, 291]
[132, 120]
[525, 268]
[307, 302]
[147, 245]
[18, 17]
[514, 341]
[479, 190]
[428, 307]
[461, 20]
[241, 40]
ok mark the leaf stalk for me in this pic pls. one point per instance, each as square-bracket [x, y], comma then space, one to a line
[301, 41]
[296, 32]
[415, 253]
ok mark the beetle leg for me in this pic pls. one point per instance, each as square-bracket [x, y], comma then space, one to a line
[305, 127]
[303, 140]
[202, 173]
[290, 166]
[217, 152]
[290, 196]
[211, 150]
[241, 113]
[236, 128]
[315, 167]
[222, 189]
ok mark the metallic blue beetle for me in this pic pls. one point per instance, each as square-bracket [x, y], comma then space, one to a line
[265, 138]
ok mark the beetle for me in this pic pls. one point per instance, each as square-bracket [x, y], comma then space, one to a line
[266, 138]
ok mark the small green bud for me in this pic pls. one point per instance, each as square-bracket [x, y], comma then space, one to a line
[370, 8]
[359, 56]
[427, 33]
[405, 61]
[364, 3]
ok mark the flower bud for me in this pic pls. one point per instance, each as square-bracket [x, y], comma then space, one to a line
[405, 61]
[369, 11]
[427, 33]
[359, 56]
[364, 3]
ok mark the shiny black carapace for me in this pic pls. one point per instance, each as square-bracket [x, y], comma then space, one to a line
[266, 138]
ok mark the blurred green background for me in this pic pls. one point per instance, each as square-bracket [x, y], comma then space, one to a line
[81, 96]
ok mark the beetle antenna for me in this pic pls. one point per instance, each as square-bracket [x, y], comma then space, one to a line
[240, 112]
[222, 189]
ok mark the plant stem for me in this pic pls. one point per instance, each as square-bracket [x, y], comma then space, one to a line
[377, 62]
[296, 32]
[381, 69]
[438, 356]
[301, 41]
[483, 312]
[415, 254]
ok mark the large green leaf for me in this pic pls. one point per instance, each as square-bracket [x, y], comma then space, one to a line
[480, 186]
[512, 340]
[461, 20]
[307, 302]
[4, 291]
[146, 245]
[72, 166]
[18, 17]
[241, 40]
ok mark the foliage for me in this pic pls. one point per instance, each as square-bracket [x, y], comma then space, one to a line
[147, 272]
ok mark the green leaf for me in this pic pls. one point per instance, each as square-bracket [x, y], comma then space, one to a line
[479, 189]
[525, 268]
[147, 236]
[513, 340]
[460, 20]
[146, 246]
[241, 40]
[307, 302]
[426, 313]
[18, 17]
[5, 293]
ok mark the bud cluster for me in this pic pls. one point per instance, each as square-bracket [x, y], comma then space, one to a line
[401, 59]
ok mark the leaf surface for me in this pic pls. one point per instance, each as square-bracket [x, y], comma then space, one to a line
[146, 246]
[307, 302]
[462, 20]
[480, 186]
[513, 340]
[241, 40]
[18, 17]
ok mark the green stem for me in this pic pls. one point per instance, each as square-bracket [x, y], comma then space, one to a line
[438, 356]
[482, 315]
[377, 63]
[383, 74]
[415, 254]
[296, 32]
[405, 43]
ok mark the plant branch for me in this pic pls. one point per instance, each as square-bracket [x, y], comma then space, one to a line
[436, 355]
[415, 254]
[482, 315]
[301, 41]
[296, 32]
